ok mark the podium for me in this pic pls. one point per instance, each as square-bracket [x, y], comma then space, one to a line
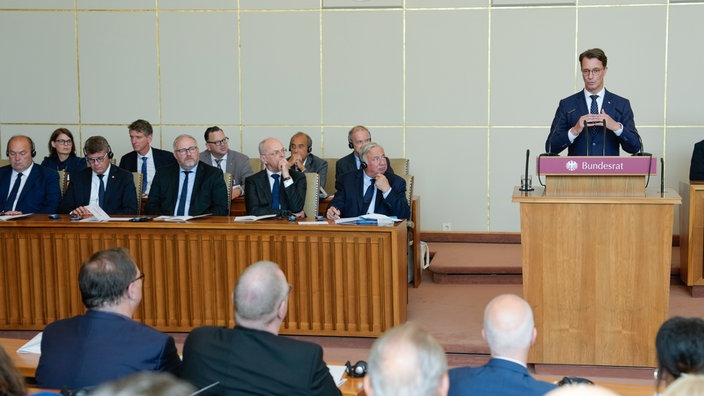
[596, 252]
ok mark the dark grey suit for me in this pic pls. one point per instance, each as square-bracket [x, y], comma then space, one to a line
[237, 164]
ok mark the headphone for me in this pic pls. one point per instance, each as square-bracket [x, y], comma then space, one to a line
[31, 143]
[358, 370]
[362, 163]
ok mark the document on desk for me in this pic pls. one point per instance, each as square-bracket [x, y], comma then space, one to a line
[33, 346]
[240, 219]
[337, 373]
[179, 218]
[12, 217]
[372, 218]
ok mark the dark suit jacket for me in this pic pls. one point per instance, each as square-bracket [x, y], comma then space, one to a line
[162, 158]
[696, 167]
[40, 194]
[209, 192]
[120, 193]
[575, 106]
[237, 164]
[315, 165]
[499, 377]
[72, 164]
[258, 197]
[254, 362]
[348, 164]
[349, 195]
[101, 346]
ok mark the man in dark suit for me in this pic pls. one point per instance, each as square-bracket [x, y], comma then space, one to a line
[251, 358]
[26, 187]
[176, 191]
[118, 195]
[371, 189]
[509, 330]
[105, 343]
[595, 106]
[406, 360]
[696, 166]
[275, 190]
[357, 137]
[303, 160]
[145, 159]
[219, 155]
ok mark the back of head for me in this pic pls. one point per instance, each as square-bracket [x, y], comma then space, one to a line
[145, 383]
[96, 144]
[105, 277]
[141, 126]
[258, 293]
[11, 381]
[679, 346]
[687, 385]
[508, 326]
[407, 361]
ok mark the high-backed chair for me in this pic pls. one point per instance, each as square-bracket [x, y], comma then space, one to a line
[329, 186]
[256, 164]
[63, 182]
[4, 162]
[137, 178]
[312, 200]
[400, 165]
[228, 184]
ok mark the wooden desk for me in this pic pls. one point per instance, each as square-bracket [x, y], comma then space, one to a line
[692, 237]
[348, 280]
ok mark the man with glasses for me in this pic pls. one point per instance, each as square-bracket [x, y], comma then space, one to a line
[275, 190]
[219, 155]
[108, 186]
[251, 358]
[608, 117]
[26, 187]
[189, 187]
[145, 159]
[104, 344]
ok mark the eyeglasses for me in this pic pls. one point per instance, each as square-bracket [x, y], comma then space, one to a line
[141, 276]
[277, 153]
[595, 71]
[183, 151]
[220, 142]
[97, 160]
[63, 141]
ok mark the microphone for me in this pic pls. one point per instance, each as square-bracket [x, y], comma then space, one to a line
[662, 177]
[552, 133]
[525, 186]
[586, 131]
[603, 139]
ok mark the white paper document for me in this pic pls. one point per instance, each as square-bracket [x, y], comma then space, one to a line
[338, 373]
[241, 219]
[12, 217]
[179, 218]
[33, 346]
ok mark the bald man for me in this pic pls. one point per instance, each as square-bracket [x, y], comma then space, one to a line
[510, 332]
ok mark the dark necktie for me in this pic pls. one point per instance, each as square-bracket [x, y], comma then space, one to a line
[594, 109]
[218, 161]
[13, 193]
[144, 174]
[101, 191]
[276, 193]
[184, 194]
[367, 200]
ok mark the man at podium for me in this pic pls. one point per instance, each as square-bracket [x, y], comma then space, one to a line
[593, 121]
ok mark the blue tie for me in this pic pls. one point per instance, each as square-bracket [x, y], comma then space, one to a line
[594, 109]
[13, 194]
[367, 200]
[184, 194]
[144, 174]
[101, 191]
[276, 193]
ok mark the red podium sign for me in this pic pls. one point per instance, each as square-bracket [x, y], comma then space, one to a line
[556, 165]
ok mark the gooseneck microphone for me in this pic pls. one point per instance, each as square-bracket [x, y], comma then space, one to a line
[586, 130]
[662, 177]
[552, 133]
[525, 186]
[603, 139]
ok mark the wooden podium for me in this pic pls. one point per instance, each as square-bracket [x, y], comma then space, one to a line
[596, 251]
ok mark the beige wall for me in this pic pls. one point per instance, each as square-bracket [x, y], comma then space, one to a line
[462, 87]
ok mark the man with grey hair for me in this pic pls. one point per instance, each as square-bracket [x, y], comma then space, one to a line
[406, 361]
[510, 332]
[252, 358]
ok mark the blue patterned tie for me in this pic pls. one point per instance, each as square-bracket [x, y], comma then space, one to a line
[276, 193]
[101, 191]
[144, 174]
[13, 193]
[218, 161]
[184, 195]
[367, 200]
[594, 109]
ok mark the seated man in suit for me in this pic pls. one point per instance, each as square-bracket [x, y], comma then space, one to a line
[37, 192]
[303, 160]
[219, 155]
[145, 159]
[406, 360]
[110, 187]
[188, 187]
[251, 358]
[104, 343]
[275, 190]
[510, 332]
[357, 137]
[372, 189]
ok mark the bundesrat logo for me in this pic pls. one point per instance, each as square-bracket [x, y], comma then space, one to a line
[571, 165]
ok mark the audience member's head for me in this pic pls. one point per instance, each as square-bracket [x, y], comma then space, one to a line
[141, 132]
[679, 346]
[61, 142]
[261, 297]
[272, 153]
[357, 137]
[186, 151]
[146, 383]
[98, 154]
[508, 327]
[373, 159]
[686, 385]
[110, 280]
[216, 142]
[11, 381]
[406, 361]
[20, 151]
[581, 390]
[301, 144]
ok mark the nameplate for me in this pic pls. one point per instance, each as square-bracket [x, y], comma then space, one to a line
[596, 165]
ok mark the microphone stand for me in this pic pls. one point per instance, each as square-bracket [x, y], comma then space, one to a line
[603, 140]
[586, 129]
